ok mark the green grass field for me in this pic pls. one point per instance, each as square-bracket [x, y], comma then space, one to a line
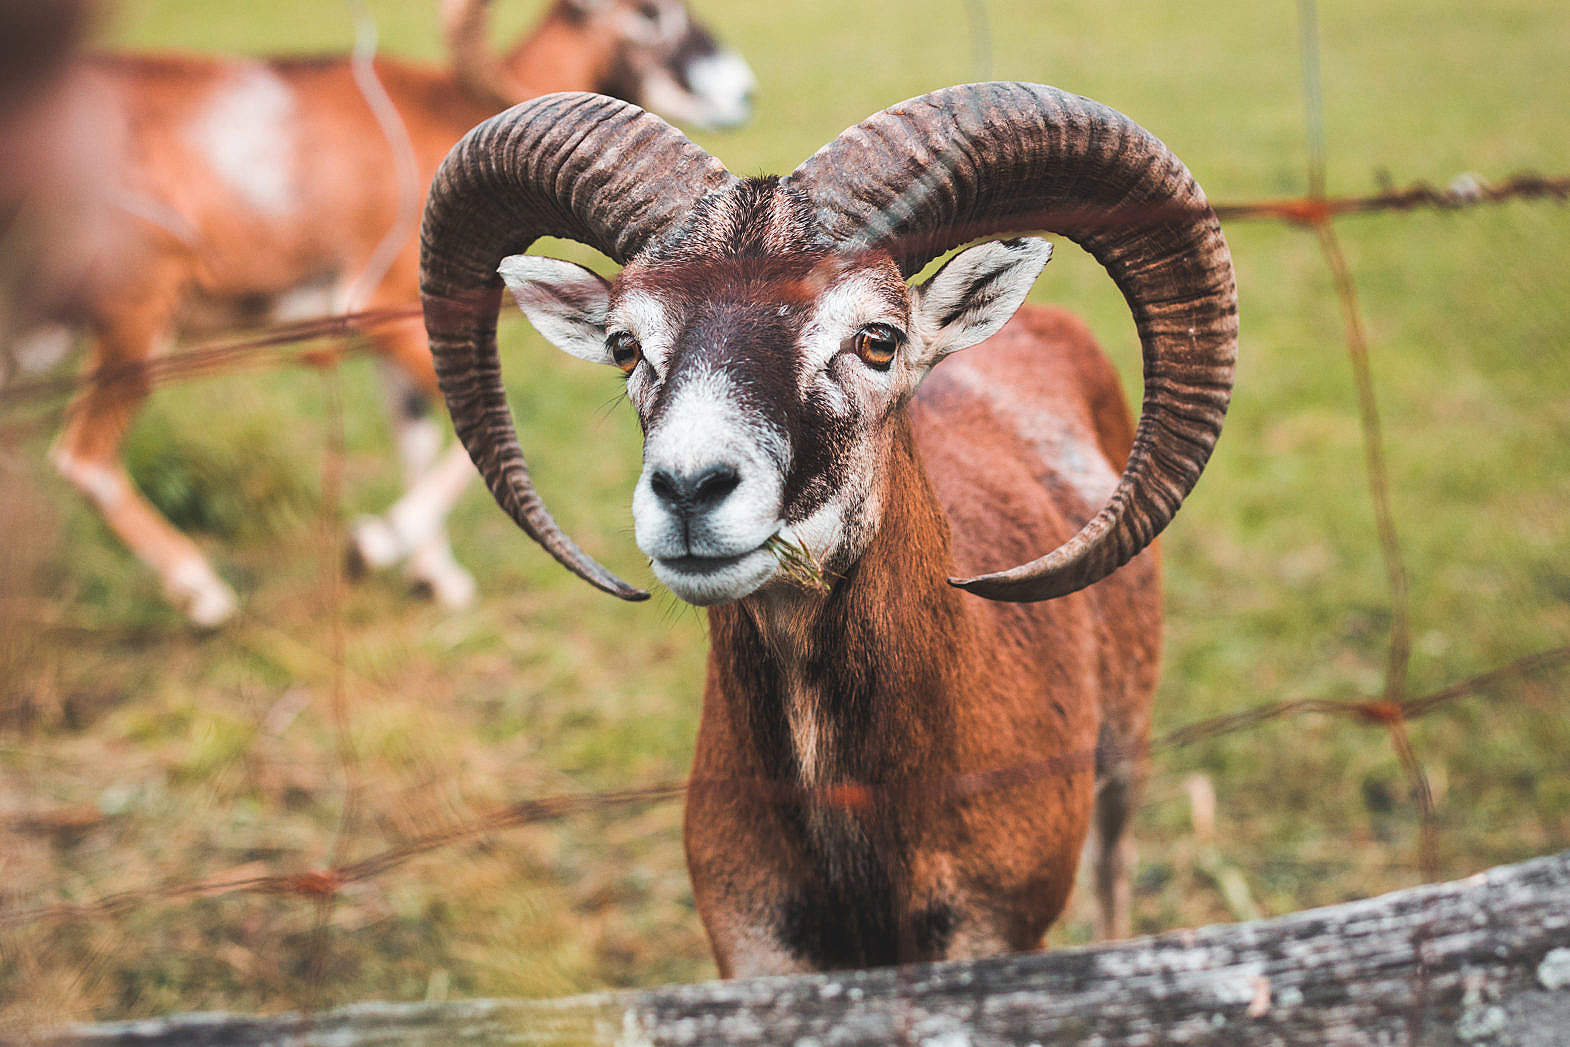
[135, 753]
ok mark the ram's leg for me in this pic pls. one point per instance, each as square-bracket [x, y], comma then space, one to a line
[87, 454]
[414, 528]
[1112, 858]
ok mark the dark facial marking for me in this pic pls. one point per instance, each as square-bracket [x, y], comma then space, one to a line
[740, 280]
[696, 44]
[414, 405]
[622, 80]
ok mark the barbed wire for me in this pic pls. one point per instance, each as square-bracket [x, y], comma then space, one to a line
[843, 796]
[279, 344]
[1464, 191]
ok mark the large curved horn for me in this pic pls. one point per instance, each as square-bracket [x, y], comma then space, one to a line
[977, 161]
[573, 165]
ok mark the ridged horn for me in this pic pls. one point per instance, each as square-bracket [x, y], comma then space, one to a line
[982, 160]
[578, 166]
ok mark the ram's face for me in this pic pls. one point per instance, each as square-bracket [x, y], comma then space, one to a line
[668, 62]
[767, 388]
[764, 388]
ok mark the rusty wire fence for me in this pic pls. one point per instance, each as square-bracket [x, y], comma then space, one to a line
[34, 913]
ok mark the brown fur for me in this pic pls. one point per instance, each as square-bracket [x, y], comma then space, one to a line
[47, 178]
[964, 739]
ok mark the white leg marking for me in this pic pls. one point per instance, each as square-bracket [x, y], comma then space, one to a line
[419, 441]
[418, 516]
[375, 544]
[434, 565]
[103, 485]
[417, 435]
[420, 513]
[413, 528]
[196, 589]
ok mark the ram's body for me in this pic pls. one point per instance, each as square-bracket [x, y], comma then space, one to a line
[946, 749]
[251, 180]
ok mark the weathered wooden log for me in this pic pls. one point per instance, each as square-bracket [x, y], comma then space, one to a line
[1484, 960]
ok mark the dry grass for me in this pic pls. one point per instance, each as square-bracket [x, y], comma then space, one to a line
[798, 564]
[134, 753]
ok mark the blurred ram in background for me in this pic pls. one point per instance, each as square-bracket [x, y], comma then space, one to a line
[248, 192]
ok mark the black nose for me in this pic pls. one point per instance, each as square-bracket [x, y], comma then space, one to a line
[695, 493]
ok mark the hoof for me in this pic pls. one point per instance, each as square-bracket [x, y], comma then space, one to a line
[213, 609]
[436, 574]
[202, 595]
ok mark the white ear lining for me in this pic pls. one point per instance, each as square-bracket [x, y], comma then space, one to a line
[568, 304]
[977, 292]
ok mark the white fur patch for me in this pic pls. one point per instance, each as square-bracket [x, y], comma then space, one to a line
[246, 134]
[721, 97]
[823, 533]
[756, 952]
[42, 348]
[838, 314]
[725, 83]
[708, 586]
[307, 302]
[104, 485]
[649, 321]
[703, 427]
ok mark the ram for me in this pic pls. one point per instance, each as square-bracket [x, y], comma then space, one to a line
[252, 191]
[895, 764]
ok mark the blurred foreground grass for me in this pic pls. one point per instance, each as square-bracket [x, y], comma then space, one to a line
[133, 752]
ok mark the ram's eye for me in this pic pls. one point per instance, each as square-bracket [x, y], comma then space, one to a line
[876, 344]
[625, 351]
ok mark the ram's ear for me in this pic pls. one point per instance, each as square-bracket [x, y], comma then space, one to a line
[977, 292]
[566, 303]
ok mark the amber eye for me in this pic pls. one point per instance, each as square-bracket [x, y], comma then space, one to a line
[625, 351]
[876, 344]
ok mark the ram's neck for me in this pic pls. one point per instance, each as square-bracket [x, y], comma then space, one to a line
[855, 685]
[557, 56]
